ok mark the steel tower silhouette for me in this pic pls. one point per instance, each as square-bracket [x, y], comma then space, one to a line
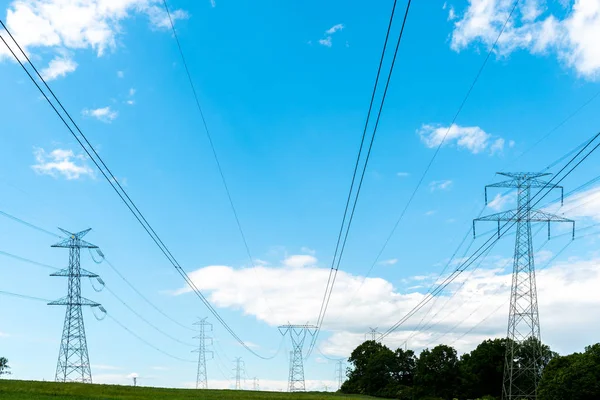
[201, 377]
[524, 361]
[73, 360]
[298, 335]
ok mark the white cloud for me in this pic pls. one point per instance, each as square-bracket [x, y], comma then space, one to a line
[62, 25]
[131, 91]
[120, 74]
[451, 14]
[472, 138]
[326, 42]
[61, 162]
[402, 174]
[497, 146]
[430, 213]
[4, 334]
[334, 29]
[583, 205]
[160, 19]
[500, 201]
[58, 67]
[571, 37]
[213, 3]
[299, 261]
[391, 261]
[440, 185]
[105, 114]
[567, 300]
[130, 102]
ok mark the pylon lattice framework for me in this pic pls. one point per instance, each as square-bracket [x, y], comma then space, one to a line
[239, 368]
[339, 372]
[201, 376]
[298, 335]
[524, 360]
[73, 361]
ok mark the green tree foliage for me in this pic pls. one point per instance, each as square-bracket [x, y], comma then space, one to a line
[437, 373]
[481, 370]
[573, 377]
[4, 368]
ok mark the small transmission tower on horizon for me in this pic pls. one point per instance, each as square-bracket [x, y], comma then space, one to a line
[298, 335]
[239, 368]
[523, 362]
[373, 333]
[339, 372]
[73, 361]
[201, 376]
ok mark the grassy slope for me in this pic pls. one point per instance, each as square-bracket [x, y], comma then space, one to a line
[28, 390]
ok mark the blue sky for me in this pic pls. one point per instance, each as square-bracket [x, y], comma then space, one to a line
[285, 89]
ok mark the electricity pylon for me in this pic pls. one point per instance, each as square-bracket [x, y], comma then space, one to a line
[239, 367]
[298, 335]
[373, 333]
[73, 361]
[201, 377]
[255, 384]
[524, 361]
[339, 374]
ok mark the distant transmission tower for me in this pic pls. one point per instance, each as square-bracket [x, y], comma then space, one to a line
[255, 384]
[523, 363]
[239, 368]
[339, 372]
[373, 333]
[298, 335]
[73, 360]
[201, 377]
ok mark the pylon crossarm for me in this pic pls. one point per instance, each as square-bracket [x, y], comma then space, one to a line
[542, 216]
[64, 301]
[82, 273]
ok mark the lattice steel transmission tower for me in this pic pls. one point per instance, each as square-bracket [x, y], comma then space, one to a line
[239, 368]
[255, 384]
[73, 360]
[298, 335]
[524, 361]
[339, 374]
[201, 377]
[373, 333]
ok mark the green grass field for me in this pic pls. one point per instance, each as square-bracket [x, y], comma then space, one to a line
[28, 390]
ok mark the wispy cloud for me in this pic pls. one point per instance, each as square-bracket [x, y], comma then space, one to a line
[440, 185]
[391, 261]
[299, 261]
[327, 41]
[472, 138]
[120, 74]
[61, 162]
[402, 174]
[334, 29]
[58, 67]
[500, 201]
[570, 37]
[105, 114]
[50, 26]
[430, 213]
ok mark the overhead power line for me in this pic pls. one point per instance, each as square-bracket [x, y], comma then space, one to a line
[22, 296]
[115, 269]
[343, 236]
[443, 141]
[117, 187]
[503, 229]
[213, 149]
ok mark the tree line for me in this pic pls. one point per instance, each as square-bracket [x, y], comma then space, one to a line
[440, 374]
